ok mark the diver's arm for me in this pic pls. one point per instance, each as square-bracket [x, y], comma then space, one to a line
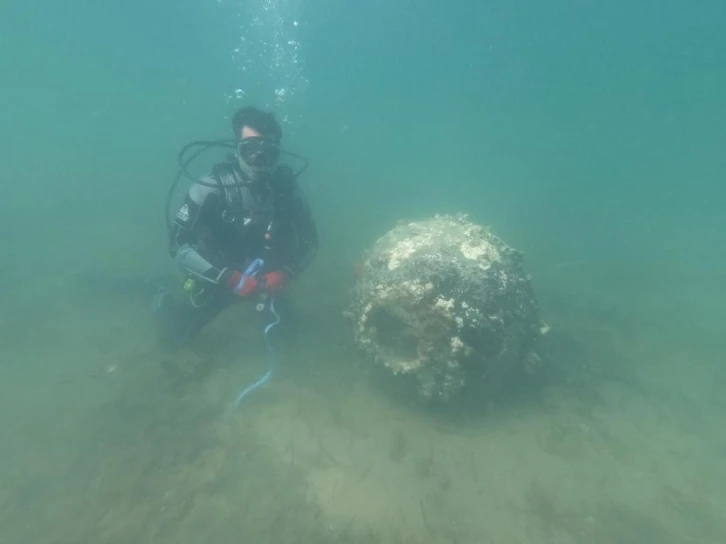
[189, 258]
[184, 235]
[305, 232]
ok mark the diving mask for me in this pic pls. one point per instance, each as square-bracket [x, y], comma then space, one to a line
[258, 152]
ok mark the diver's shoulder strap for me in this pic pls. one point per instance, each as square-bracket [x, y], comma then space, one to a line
[284, 174]
[230, 179]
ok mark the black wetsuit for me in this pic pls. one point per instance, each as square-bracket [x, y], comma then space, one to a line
[226, 225]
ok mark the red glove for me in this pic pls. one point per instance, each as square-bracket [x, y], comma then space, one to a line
[274, 282]
[242, 284]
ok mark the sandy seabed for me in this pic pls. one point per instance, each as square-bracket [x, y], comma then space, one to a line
[108, 440]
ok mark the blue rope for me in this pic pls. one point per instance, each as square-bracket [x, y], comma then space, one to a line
[272, 360]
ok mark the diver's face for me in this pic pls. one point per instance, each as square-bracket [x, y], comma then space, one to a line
[257, 156]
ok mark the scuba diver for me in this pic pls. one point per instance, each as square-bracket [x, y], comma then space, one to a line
[248, 212]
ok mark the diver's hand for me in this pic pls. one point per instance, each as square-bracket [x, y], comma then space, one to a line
[274, 282]
[241, 284]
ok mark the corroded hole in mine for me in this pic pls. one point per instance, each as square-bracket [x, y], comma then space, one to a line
[396, 337]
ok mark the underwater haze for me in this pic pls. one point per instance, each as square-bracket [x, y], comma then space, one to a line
[589, 135]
